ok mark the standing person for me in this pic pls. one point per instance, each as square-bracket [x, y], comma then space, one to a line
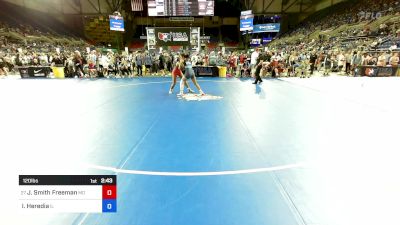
[168, 62]
[189, 74]
[327, 64]
[3, 67]
[348, 62]
[356, 62]
[130, 65]
[320, 61]
[253, 59]
[365, 59]
[155, 63]
[274, 63]
[382, 60]
[78, 62]
[56, 61]
[194, 59]
[161, 64]
[341, 59]
[233, 64]
[117, 62]
[69, 65]
[206, 60]
[124, 65]
[213, 59]
[257, 72]
[313, 61]
[304, 67]
[291, 64]
[148, 63]
[176, 58]
[394, 60]
[242, 59]
[177, 72]
[139, 64]
[104, 62]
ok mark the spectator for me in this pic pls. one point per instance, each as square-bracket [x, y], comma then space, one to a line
[394, 60]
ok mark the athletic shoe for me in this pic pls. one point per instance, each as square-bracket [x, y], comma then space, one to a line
[170, 92]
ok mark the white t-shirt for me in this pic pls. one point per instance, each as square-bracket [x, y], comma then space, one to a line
[104, 61]
[194, 59]
[43, 59]
[254, 57]
[341, 60]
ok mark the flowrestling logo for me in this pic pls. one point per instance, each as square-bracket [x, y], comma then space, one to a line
[173, 36]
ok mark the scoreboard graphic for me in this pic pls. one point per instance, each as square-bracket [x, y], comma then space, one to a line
[68, 193]
[180, 7]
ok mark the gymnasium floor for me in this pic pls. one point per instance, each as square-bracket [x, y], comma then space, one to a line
[318, 151]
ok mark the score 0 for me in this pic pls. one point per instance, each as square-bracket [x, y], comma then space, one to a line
[109, 198]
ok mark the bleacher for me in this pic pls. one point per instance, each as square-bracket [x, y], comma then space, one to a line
[349, 28]
[97, 30]
[15, 15]
[19, 27]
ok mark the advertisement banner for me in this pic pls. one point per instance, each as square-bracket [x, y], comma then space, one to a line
[195, 39]
[246, 13]
[269, 27]
[375, 71]
[151, 38]
[172, 36]
[266, 40]
[255, 42]
[246, 24]
[116, 23]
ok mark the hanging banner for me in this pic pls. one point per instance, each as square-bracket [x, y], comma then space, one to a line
[246, 24]
[268, 27]
[151, 38]
[116, 23]
[195, 39]
[172, 36]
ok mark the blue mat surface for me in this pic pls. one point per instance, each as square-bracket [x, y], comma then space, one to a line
[256, 138]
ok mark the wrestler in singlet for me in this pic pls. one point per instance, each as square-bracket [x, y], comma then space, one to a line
[177, 72]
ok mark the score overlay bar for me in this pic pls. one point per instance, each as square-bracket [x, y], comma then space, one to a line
[68, 193]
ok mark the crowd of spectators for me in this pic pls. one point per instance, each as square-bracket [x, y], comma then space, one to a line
[24, 45]
[341, 53]
[349, 13]
[346, 50]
